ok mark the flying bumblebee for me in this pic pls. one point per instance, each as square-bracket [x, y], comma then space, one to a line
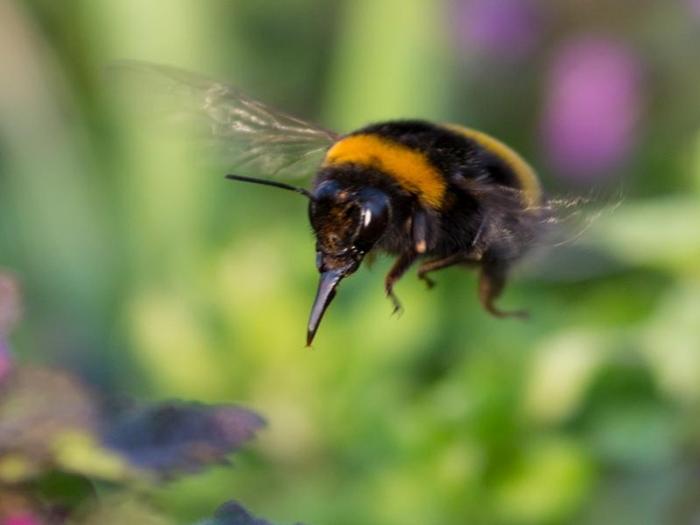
[441, 194]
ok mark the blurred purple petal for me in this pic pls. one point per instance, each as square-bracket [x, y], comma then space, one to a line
[181, 437]
[21, 519]
[506, 29]
[694, 7]
[232, 513]
[592, 107]
[5, 359]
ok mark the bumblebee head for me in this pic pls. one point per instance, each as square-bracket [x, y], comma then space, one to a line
[348, 222]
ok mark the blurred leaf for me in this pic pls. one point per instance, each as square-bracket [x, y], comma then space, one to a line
[560, 375]
[83, 453]
[120, 511]
[166, 330]
[371, 62]
[64, 493]
[696, 157]
[181, 437]
[549, 484]
[568, 263]
[232, 513]
[670, 341]
[15, 468]
[635, 434]
[662, 232]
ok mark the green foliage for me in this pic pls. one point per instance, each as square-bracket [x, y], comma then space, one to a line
[147, 272]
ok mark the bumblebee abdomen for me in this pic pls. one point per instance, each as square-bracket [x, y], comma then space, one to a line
[523, 175]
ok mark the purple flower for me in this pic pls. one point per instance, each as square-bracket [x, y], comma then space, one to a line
[694, 6]
[593, 103]
[504, 29]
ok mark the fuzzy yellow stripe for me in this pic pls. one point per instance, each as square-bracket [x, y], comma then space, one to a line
[410, 168]
[524, 173]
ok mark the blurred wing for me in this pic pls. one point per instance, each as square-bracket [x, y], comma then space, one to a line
[552, 223]
[241, 133]
[553, 237]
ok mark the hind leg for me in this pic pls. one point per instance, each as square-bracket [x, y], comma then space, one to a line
[492, 279]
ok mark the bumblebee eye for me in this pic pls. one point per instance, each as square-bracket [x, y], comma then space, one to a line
[374, 218]
[327, 190]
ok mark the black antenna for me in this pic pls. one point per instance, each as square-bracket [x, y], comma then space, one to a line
[273, 183]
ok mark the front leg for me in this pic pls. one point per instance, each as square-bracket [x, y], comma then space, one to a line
[401, 264]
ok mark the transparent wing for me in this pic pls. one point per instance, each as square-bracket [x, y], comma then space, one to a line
[240, 133]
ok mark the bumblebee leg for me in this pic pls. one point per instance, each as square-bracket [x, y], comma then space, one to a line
[437, 264]
[420, 231]
[491, 282]
[370, 259]
[400, 266]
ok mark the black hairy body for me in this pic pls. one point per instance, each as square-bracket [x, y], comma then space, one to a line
[483, 219]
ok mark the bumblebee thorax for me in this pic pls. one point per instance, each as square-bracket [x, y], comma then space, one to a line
[406, 166]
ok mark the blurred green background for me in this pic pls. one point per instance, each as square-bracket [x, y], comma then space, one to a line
[155, 278]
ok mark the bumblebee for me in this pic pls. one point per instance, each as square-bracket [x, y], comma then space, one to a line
[439, 194]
